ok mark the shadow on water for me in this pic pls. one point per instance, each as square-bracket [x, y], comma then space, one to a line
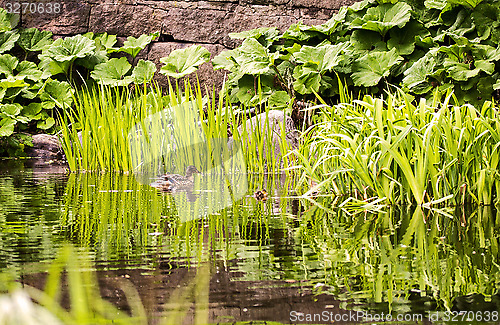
[267, 259]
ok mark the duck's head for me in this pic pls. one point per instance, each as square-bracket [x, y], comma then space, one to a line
[190, 170]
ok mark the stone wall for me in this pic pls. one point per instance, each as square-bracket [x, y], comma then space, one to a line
[180, 23]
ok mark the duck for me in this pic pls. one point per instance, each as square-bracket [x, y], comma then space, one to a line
[261, 195]
[176, 182]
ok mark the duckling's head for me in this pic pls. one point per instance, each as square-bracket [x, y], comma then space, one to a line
[190, 170]
[261, 195]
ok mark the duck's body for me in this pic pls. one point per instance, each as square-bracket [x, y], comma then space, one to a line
[176, 182]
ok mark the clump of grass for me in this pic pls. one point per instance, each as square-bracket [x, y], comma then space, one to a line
[112, 129]
[425, 152]
[94, 132]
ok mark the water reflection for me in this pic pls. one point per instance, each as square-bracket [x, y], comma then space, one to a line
[403, 260]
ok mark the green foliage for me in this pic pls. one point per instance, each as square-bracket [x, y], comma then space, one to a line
[441, 45]
[113, 72]
[384, 17]
[134, 45]
[401, 152]
[143, 72]
[7, 21]
[182, 62]
[42, 79]
[371, 67]
[34, 40]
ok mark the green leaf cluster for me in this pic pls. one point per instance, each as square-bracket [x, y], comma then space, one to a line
[28, 94]
[421, 46]
[38, 75]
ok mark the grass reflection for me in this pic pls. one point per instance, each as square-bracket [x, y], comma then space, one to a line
[401, 259]
[396, 255]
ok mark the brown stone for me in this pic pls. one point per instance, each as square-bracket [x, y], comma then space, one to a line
[195, 25]
[125, 20]
[328, 4]
[315, 14]
[72, 18]
[46, 148]
[266, 2]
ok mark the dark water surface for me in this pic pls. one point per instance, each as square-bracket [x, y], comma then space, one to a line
[282, 260]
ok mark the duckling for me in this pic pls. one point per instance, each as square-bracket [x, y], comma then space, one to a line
[261, 195]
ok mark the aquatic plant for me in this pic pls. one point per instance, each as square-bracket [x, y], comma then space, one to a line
[428, 152]
[113, 129]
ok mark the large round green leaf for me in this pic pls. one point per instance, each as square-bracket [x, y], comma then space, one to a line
[58, 92]
[113, 72]
[7, 21]
[28, 70]
[32, 39]
[7, 126]
[10, 110]
[46, 123]
[143, 72]
[326, 56]
[307, 78]
[8, 40]
[7, 64]
[370, 68]
[134, 45]
[69, 48]
[182, 62]
[386, 16]
[265, 35]
[416, 77]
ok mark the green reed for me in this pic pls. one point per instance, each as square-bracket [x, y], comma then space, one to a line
[94, 132]
[404, 151]
[112, 129]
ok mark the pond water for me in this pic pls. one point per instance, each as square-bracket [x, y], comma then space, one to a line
[285, 259]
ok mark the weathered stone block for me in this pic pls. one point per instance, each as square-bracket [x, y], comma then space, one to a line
[195, 25]
[125, 20]
[70, 18]
[328, 4]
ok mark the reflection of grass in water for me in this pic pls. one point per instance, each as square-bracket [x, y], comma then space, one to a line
[374, 258]
[119, 218]
[28, 214]
[370, 258]
[114, 212]
[81, 298]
